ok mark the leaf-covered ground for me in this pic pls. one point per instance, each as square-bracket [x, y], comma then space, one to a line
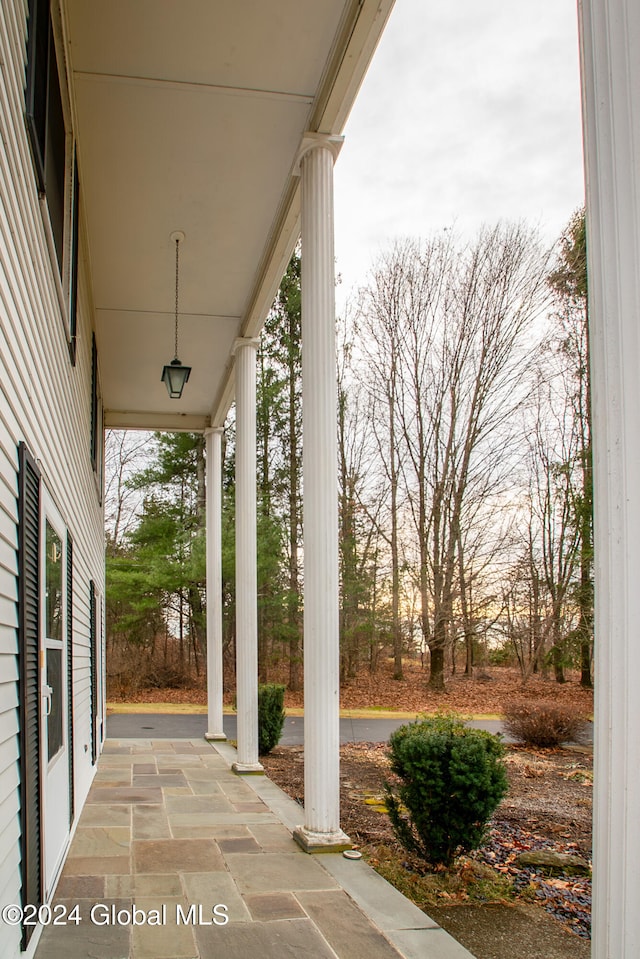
[485, 694]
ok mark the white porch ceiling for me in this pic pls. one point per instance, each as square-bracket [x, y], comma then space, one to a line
[189, 116]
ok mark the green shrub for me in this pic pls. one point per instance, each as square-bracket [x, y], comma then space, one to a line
[451, 779]
[543, 723]
[270, 716]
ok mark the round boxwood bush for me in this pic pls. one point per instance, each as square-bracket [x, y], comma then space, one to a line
[270, 716]
[450, 779]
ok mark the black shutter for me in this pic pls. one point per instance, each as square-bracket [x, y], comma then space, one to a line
[93, 653]
[94, 403]
[70, 674]
[55, 157]
[29, 655]
[73, 284]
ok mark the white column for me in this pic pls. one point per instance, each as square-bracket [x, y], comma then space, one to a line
[610, 48]
[213, 439]
[246, 559]
[321, 828]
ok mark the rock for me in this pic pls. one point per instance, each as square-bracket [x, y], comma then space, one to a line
[555, 862]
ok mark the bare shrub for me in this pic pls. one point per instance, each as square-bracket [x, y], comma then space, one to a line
[133, 667]
[543, 723]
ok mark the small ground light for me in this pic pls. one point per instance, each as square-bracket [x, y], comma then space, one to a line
[352, 854]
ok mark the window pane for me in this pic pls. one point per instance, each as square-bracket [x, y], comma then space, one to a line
[37, 81]
[54, 719]
[53, 586]
[55, 155]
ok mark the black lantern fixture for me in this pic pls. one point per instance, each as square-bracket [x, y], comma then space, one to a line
[175, 375]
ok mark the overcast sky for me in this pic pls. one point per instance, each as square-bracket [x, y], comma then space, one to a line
[470, 113]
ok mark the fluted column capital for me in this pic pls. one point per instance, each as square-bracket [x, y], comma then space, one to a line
[240, 341]
[317, 141]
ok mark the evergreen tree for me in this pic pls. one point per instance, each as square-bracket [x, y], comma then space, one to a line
[158, 574]
[569, 283]
[280, 444]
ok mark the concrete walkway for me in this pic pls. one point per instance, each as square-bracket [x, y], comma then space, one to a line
[207, 860]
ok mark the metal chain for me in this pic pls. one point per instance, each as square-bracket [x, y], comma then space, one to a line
[177, 278]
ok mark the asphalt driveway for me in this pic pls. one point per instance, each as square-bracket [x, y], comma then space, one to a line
[174, 726]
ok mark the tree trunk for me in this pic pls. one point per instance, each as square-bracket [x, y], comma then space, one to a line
[395, 561]
[436, 675]
[585, 595]
[293, 603]
[558, 667]
[467, 625]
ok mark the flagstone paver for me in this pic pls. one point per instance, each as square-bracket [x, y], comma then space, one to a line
[116, 794]
[197, 805]
[176, 855]
[160, 779]
[273, 837]
[102, 814]
[210, 889]
[169, 940]
[247, 844]
[86, 939]
[204, 787]
[199, 863]
[113, 775]
[101, 841]
[278, 872]
[234, 828]
[150, 822]
[144, 769]
[344, 927]
[267, 907]
[268, 940]
[97, 866]
[83, 887]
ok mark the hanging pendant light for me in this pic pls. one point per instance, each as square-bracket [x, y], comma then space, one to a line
[175, 375]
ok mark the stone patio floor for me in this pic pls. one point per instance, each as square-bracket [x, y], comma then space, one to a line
[169, 829]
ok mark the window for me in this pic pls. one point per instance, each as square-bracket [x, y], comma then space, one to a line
[54, 159]
[54, 639]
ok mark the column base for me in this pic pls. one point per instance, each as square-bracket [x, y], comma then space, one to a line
[215, 737]
[316, 842]
[248, 769]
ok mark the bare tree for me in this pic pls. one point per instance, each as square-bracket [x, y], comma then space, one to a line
[449, 334]
[380, 325]
[361, 499]
[555, 451]
[126, 451]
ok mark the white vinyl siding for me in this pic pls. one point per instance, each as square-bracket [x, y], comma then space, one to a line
[45, 401]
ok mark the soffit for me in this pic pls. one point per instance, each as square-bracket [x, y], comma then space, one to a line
[189, 116]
